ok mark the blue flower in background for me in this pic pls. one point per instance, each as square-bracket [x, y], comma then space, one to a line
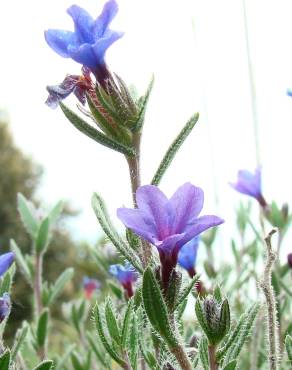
[5, 306]
[188, 255]
[91, 38]
[90, 285]
[126, 275]
[250, 184]
[6, 260]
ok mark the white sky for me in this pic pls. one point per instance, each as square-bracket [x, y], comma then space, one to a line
[203, 71]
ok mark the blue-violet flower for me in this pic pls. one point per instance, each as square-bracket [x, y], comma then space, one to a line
[168, 223]
[91, 38]
[5, 306]
[250, 184]
[6, 260]
[187, 256]
[90, 286]
[126, 275]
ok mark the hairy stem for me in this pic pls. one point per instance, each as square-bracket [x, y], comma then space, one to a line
[134, 170]
[268, 291]
[127, 365]
[181, 357]
[212, 357]
[38, 283]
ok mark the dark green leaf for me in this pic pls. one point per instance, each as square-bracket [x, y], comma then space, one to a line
[42, 328]
[5, 360]
[26, 214]
[42, 239]
[45, 365]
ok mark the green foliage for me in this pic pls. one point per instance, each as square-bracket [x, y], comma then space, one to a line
[173, 149]
[156, 309]
[5, 360]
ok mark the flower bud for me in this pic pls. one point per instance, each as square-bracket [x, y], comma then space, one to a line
[214, 318]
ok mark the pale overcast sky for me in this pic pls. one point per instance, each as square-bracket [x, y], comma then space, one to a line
[197, 52]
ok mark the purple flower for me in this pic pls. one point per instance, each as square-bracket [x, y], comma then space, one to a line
[250, 184]
[6, 260]
[187, 256]
[289, 259]
[5, 306]
[89, 41]
[79, 85]
[126, 275]
[90, 286]
[168, 223]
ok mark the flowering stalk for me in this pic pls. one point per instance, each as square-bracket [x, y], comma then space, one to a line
[271, 304]
[212, 357]
[38, 283]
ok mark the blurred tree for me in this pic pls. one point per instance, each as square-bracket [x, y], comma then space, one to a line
[19, 173]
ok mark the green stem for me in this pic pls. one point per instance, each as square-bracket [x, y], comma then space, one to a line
[38, 283]
[212, 357]
[181, 357]
[135, 177]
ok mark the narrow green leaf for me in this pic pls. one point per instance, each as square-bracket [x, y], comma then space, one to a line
[133, 342]
[202, 319]
[19, 340]
[42, 328]
[217, 294]
[58, 287]
[174, 147]
[109, 348]
[21, 261]
[239, 335]
[104, 221]
[203, 353]
[106, 102]
[63, 360]
[137, 126]
[111, 321]
[126, 323]
[56, 211]
[76, 361]
[5, 360]
[6, 283]
[186, 291]
[100, 356]
[45, 365]
[116, 290]
[94, 134]
[156, 309]
[288, 345]
[26, 214]
[231, 365]
[42, 239]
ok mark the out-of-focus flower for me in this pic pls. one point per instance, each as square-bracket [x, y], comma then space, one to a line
[6, 260]
[91, 38]
[168, 223]
[250, 184]
[5, 306]
[289, 259]
[187, 256]
[90, 286]
[78, 85]
[126, 275]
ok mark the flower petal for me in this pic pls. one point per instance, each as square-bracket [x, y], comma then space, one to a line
[135, 220]
[84, 55]
[59, 41]
[109, 11]
[83, 23]
[102, 44]
[200, 224]
[154, 205]
[168, 245]
[6, 260]
[187, 202]
[188, 254]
